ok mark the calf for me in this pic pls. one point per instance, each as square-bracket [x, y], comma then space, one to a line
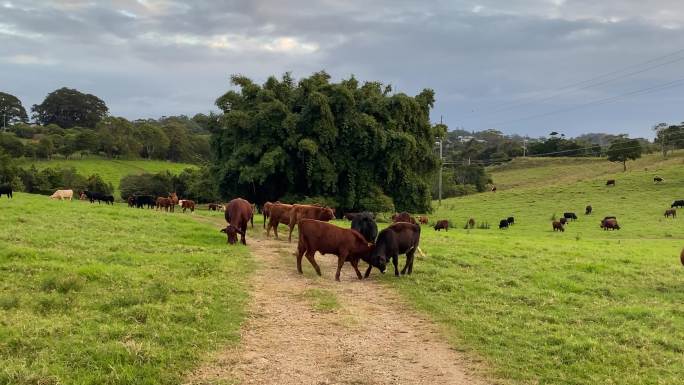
[63, 194]
[423, 220]
[511, 220]
[558, 226]
[471, 223]
[563, 221]
[300, 212]
[503, 224]
[145, 200]
[403, 217]
[610, 224]
[443, 224]
[7, 190]
[238, 213]
[671, 212]
[588, 210]
[365, 224]
[131, 201]
[570, 216]
[397, 238]
[277, 213]
[610, 182]
[657, 179]
[677, 203]
[347, 244]
[187, 204]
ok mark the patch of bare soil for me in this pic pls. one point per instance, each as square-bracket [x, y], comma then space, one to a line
[368, 337]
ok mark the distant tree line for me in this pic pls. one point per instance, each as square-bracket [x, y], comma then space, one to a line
[71, 124]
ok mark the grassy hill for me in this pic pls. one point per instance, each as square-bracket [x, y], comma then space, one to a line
[579, 307]
[97, 294]
[111, 170]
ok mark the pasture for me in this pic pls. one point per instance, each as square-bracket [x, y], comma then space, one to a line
[97, 294]
[111, 170]
[579, 307]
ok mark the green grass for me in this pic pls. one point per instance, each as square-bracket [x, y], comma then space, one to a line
[111, 170]
[95, 294]
[322, 300]
[585, 306]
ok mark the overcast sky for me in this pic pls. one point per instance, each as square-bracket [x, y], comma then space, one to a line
[493, 63]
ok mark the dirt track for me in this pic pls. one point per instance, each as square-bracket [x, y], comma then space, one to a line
[371, 337]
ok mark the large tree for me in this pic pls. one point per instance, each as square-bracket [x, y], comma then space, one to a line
[11, 110]
[69, 108]
[354, 143]
[623, 149]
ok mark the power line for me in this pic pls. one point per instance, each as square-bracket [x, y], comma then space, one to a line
[510, 105]
[648, 90]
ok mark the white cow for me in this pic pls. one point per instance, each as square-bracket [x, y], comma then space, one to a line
[63, 194]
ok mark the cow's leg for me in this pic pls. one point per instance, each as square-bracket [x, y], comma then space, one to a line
[355, 265]
[395, 262]
[310, 257]
[409, 262]
[340, 263]
[368, 271]
[289, 237]
[300, 253]
[242, 236]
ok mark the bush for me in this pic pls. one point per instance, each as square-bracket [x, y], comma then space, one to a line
[376, 202]
[160, 184]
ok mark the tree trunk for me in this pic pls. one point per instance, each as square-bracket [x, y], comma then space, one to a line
[624, 166]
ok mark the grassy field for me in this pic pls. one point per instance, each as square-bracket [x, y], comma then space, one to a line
[95, 294]
[111, 170]
[585, 306]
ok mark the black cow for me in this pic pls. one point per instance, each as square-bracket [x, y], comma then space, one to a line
[96, 196]
[7, 190]
[588, 210]
[510, 220]
[570, 216]
[145, 200]
[657, 179]
[365, 224]
[503, 224]
[397, 238]
[677, 203]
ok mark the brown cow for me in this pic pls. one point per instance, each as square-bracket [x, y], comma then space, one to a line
[611, 224]
[349, 246]
[278, 213]
[558, 226]
[443, 224]
[213, 207]
[187, 204]
[131, 201]
[238, 212]
[300, 212]
[471, 223]
[671, 212]
[423, 220]
[167, 203]
[266, 210]
[681, 257]
[403, 217]
[563, 221]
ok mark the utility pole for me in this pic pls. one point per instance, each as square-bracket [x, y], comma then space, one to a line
[524, 147]
[441, 160]
[4, 122]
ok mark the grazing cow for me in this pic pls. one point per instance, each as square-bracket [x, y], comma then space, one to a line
[300, 212]
[563, 221]
[503, 224]
[442, 224]
[610, 224]
[671, 212]
[471, 223]
[278, 213]
[365, 224]
[677, 203]
[348, 244]
[423, 220]
[99, 197]
[610, 182]
[511, 221]
[7, 190]
[403, 217]
[398, 238]
[131, 201]
[145, 200]
[587, 210]
[558, 226]
[238, 212]
[63, 194]
[187, 204]
[213, 206]
[570, 216]
[657, 179]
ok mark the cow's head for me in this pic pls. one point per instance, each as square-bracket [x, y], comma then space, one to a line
[232, 232]
[326, 214]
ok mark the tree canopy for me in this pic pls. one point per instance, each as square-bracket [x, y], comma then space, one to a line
[68, 108]
[623, 149]
[11, 110]
[347, 141]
